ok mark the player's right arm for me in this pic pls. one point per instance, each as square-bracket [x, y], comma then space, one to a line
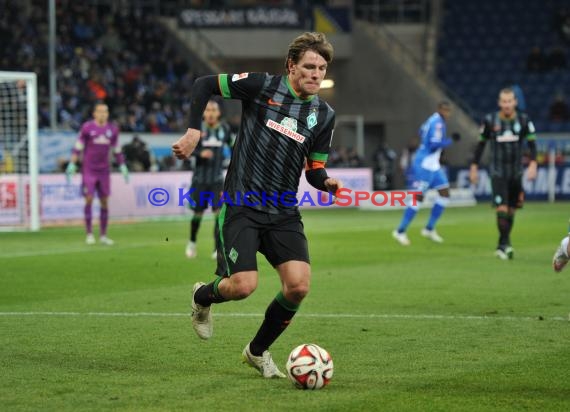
[484, 133]
[77, 149]
[244, 86]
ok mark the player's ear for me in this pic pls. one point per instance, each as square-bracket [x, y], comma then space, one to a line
[290, 66]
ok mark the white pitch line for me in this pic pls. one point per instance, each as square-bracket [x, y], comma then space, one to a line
[80, 249]
[306, 315]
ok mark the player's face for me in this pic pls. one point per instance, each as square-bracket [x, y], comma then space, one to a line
[307, 74]
[212, 113]
[101, 113]
[507, 103]
[445, 112]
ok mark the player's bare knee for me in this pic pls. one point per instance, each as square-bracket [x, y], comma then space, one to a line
[502, 208]
[243, 286]
[444, 192]
[297, 291]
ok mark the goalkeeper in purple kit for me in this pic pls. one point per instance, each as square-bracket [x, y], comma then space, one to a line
[96, 139]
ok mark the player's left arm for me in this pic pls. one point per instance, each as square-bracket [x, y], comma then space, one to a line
[530, 131]
[118, 153]
[315, 171]
[436, 138]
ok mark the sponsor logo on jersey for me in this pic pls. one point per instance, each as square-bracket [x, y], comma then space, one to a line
[240, 76]
[289, 123]
[311, 120]
[507, 137]
[272, 102]
[109, 133]
[101, 139]
[212, 141]
[288, 127]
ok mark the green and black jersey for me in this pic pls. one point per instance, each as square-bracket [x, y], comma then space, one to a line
[218, 140]
[278, 132]
[507, 138]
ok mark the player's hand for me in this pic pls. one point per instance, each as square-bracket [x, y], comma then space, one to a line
[184, 146]
[125, 171]
[531, 171]
[70, 171]
[206, 154]
[333, 185]
[474, 174]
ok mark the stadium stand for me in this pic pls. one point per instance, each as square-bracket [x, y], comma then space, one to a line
[488, 44]
[146, 84]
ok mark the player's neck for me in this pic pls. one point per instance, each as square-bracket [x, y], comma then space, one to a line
[212, 126]
[298, 94]
[100, 124]
[510, 116]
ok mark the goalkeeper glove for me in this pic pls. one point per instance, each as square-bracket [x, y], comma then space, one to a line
[125, 171]
[70, 171]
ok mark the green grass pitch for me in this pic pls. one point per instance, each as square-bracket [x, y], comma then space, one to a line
[426, 328]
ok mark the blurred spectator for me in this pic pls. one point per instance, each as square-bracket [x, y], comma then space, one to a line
[519, 95]
[565, 30]
[557, 58]
[559, 109]
[341, 156]
[167, 164]
[137, 155]
[407, 160]
[353, 159]
[384, 163]
[535, 62]
[146, 84]
[562, 24]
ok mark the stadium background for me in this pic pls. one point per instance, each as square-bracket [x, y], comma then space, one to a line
[393, 61]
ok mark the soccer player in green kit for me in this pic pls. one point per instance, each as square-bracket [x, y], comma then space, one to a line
[507, 130]
[285, 127]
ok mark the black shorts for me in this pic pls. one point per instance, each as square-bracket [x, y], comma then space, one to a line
[244, 231]
[206, 195]
[508, 191]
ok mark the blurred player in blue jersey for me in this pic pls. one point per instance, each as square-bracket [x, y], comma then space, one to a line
[428, 174]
